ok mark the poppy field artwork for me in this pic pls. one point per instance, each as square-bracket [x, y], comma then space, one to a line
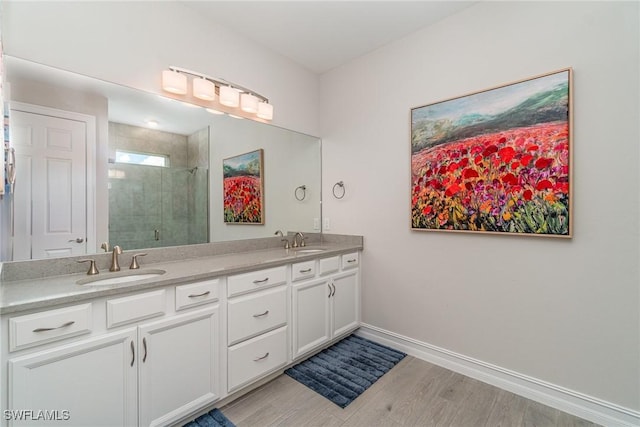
[243, 190]
[496, 160]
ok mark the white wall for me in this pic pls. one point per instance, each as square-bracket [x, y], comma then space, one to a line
[562, 311]
[131, 42]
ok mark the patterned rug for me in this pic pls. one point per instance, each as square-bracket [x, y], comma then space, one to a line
[213, 418]
[346, 369]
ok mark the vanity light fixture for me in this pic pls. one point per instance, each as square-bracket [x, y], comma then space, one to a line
[229, 96]
[204, 89]
[248, 103]
[218, 91]
[265, 110]
[174, 82]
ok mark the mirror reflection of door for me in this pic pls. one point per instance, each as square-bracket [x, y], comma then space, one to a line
[50, 185]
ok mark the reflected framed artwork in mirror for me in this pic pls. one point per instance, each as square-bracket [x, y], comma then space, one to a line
[243, 188]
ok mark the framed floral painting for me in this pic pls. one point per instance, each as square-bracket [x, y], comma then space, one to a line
[497, 160]
[243, 192]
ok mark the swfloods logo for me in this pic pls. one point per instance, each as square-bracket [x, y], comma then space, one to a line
[36, 415]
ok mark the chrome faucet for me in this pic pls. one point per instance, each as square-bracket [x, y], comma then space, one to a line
[295, 240]
[115, 266]
[284, 239]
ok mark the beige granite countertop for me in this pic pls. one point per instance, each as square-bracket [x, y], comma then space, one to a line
[38, 293]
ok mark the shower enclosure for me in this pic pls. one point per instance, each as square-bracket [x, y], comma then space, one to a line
[151, 206]
[158, 187]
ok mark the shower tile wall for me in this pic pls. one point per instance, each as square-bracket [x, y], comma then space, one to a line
[198, 158]
[143, 199]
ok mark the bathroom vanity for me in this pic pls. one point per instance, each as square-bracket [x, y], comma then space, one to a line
[192, 334]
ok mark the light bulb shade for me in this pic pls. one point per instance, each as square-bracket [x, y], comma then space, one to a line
[265, 111]
[248, 103]
[204, 89]
[174, 82]
[229, 96]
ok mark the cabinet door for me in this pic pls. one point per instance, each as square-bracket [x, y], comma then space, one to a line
[346, 302]
[310, 315]
[178, 359]
[88, 383]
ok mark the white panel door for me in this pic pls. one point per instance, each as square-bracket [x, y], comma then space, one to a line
[88, 383]
[346, 303]
[50, 186]
[311, 319]
[179, 363]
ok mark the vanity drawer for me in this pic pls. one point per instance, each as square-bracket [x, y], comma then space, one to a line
[197, 293]
[52, 325]
[303, 270]
[255, 313]
[136, 307]
[329, 265]
[350, 260]
[255, 280]
[252, 359]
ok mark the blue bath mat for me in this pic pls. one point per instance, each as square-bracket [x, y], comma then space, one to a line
[346, 369]
[213, 418]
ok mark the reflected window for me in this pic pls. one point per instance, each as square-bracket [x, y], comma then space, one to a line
[142, 158]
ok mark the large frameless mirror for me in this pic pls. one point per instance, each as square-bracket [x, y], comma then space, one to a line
[148, 172]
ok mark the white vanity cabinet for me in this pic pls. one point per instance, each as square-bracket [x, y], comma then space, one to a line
[142, 364]
[326, 307]
[162, 355]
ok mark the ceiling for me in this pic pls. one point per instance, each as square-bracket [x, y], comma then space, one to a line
[318, 35]
[321, 35]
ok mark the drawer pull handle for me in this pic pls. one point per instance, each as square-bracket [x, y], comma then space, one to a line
[69, 323]
[144, 344]
[261, 358]
[352, 260]
[261, 314]
[261, 281]
[308, 270]
[334, 289]
[199, 295]
[133, 353]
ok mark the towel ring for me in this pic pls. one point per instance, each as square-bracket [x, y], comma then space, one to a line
[341, 185]
[304, 192]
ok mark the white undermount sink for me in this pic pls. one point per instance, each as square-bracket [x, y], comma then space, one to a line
[120, 277]
[309, 250]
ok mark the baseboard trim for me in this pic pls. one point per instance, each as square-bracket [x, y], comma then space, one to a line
[572, 402]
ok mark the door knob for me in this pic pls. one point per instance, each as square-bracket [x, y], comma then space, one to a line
[78, 240]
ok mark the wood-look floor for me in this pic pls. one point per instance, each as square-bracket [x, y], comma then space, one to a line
[413, 393]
